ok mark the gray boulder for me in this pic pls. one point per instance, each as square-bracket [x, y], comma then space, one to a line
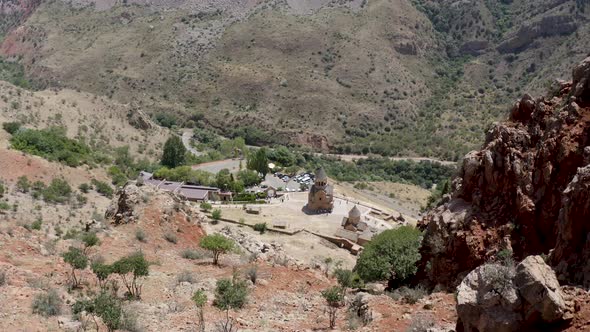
[499, 298]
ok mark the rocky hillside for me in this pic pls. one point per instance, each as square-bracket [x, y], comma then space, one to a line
[349, 76]
[525, 191]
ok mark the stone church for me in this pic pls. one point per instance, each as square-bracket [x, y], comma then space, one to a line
[320, 197]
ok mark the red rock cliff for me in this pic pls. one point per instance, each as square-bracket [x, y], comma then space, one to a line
[525, 191]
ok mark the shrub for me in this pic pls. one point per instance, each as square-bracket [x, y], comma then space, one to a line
[230, 294]
[103, 188]
[205, 206]
[36, 225]
[2, 278]
[391, 254]
[192, 254]
[47, 304]
[89, 239]
[140, 235]
[84, 187]
[216, 214]
[348, 279]
[77, 260]
[104, 305]
[200, 299]
[4, 206]
[52, 144]
[11, 127]
[58, 191]
[185, 276]
[333, 297]
[102, 272]
[23, 184]
[252, 274]
[218, 245]
[408, 295]
[171, 237]
[2, 189]
[260, 228]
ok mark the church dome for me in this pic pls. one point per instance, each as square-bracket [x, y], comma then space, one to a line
[354, 212]
[320, 175]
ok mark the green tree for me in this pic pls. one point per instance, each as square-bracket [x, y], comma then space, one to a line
[106, 306]
[333, 297]
[102, 272]
[224, 179]
[218, 245]
[77, 260]
[174, 152]
[136, 265]
[200, 299]
[11, 127]
[230, 294]
[258, 162]
[89, 239]
[249, 177]
[390, 255]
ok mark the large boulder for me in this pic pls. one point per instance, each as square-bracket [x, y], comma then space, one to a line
[500, 298]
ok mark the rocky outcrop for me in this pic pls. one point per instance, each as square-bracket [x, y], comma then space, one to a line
[512, 193]
[123, 208]
[500, 298]
[545, 27]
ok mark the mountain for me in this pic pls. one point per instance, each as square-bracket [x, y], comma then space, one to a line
[392, 77]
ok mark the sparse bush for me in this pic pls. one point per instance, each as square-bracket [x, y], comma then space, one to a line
[11, 127]
[421, 323]
[140, 235]
[333, 297]
[230, 294]
[205, 206]
[102, 272]
[104, 305]
[171, 237]
[192, 254]
[200, 299]
[84, 188]
[216, 214]
[218, 245]
[23, 184]
[47, 304]
[348, 279]
[252, 274]
[58, 191]
[4, 206]
[89, 239]
[185, 276]
[103, 188]
[2, 278]
[408, 295]
[260, 228]
[36, 225]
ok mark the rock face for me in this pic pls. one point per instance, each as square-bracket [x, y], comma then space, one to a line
[545, 27]
[499, 298]
[521, 190]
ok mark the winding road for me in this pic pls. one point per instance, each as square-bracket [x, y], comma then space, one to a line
[233, 164]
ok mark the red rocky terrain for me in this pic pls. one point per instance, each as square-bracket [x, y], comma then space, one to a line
[525, 191]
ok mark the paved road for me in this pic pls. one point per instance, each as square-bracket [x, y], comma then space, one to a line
[233, 164]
